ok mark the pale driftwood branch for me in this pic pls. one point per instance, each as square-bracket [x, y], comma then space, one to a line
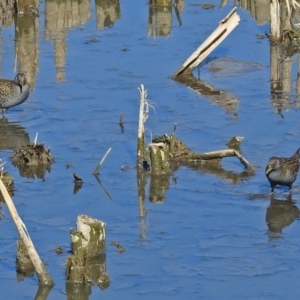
[221, 154]
[40, 269]
[223, 30]
[96, 171]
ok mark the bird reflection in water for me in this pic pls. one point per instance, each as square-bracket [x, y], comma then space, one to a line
[280, 214]
[12, 135]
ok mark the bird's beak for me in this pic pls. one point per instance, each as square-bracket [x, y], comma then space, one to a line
[268, 169]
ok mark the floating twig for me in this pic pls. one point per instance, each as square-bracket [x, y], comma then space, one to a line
[96, 171]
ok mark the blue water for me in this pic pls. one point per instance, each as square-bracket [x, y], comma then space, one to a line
[208, 238]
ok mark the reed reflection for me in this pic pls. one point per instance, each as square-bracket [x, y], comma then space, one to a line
[284, 54]
[60, 17]
[26, 46]
[160, 17]
[158, 186]
[107, 13]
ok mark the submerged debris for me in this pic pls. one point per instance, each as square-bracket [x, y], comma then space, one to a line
[234, 143]
[178, 151]
[120, 248]
[33, 155]
[8, 181]
[59, 250]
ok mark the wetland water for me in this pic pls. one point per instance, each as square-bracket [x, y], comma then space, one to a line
[208, 236]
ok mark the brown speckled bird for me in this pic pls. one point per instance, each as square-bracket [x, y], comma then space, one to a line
[283, 171]
[13, 92]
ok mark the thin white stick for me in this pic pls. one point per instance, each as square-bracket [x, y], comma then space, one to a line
[143, 94]
[35, 139]
[96, 171]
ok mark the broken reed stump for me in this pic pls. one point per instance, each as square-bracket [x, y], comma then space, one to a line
[159, 157]
[143, 116]
[88, 262]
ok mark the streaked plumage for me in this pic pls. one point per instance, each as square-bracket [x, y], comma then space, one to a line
[283, 171]
[13, 92]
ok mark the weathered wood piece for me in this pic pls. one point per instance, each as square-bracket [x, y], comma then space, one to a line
[87, 264]
[89, 236]
[223, 30]
[159, 156]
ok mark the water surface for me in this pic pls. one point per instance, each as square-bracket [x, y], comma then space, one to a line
[208, 237]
